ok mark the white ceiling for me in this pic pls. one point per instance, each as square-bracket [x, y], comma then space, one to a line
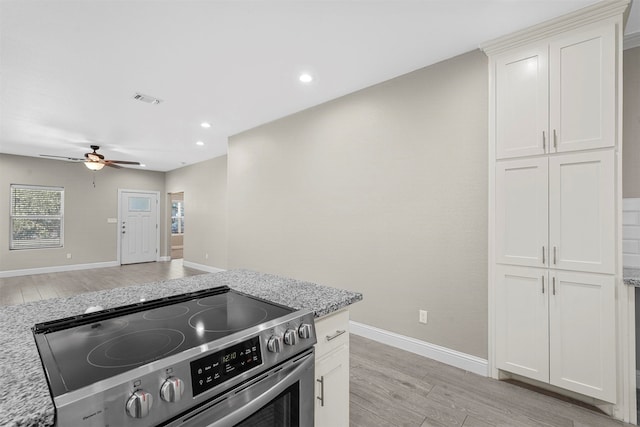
[69, 69]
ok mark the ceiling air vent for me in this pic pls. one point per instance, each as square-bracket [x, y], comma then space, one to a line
[146, 98]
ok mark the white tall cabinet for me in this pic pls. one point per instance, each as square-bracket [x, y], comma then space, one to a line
[555, 207]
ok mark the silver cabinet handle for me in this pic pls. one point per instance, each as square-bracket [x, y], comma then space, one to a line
[555, 250]
[543, 258]
[542, 284]
[544, 141]
[555, 139]
[336, 335]
[321, 397]
[554, 285]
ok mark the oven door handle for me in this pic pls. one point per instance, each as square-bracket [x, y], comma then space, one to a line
[285, 377]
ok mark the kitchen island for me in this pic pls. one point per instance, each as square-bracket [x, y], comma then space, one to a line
[24, 394]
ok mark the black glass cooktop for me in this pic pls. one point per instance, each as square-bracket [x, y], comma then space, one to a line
[89, 348]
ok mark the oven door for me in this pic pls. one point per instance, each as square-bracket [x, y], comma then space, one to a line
[282, 397]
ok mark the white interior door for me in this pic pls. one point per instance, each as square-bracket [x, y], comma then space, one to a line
[138, 227]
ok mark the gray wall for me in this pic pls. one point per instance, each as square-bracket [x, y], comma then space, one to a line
[87, 235]
[631, 124]
[383, 191]
[631, 146]
[205, 199]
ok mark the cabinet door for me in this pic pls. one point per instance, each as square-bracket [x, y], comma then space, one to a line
[522, 103]
[582, 333]
[332, 389]
[582, 212]
[521, 212]
[522, 340]
[582, 90]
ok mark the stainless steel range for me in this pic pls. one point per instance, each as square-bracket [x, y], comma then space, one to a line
[215, 357]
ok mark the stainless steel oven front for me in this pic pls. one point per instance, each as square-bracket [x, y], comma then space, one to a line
[282, 397]
[211, 358]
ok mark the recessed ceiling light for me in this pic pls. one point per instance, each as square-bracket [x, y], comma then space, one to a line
[147, 98]
[142, 165]
[305, 78]
[199, 143]
[205, 125]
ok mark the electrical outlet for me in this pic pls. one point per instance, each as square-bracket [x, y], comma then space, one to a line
[68, 256]
[206, 256]
[423, 316]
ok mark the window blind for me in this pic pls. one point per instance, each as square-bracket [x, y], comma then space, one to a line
[36, 217]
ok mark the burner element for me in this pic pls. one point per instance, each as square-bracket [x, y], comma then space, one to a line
[227, 319]
[166, 313]
[216, 300]
[135, 348]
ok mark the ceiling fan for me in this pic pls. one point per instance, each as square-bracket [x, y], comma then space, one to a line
[95, 161]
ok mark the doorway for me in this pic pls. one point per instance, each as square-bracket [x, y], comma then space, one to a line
[139, 233]
[177, 225]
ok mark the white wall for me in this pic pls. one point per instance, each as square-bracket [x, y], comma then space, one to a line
[383, 191]
[205, 199]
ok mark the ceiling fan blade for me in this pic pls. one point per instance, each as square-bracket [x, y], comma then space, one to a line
[110, 163]
[124, 162]
[75, 159]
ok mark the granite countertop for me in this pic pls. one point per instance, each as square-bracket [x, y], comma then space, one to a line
[631, 276]
[24, 394]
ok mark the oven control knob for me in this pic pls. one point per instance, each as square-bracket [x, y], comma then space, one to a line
[291, 337]
[139, 404]
[304, 331]
[172, 390]
[274, 344]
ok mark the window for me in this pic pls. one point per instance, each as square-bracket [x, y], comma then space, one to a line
[36, 217]
[177, 217]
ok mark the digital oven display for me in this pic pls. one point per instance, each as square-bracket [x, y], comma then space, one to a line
[223, 365]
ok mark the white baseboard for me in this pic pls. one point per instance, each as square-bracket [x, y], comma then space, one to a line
[164, 259]
[202, 267]
[455, 358]
[57, 269]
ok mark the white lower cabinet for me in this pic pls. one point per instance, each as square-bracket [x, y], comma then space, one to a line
[522, 321]
[332, 370]
[332, 389]
[582, 333]
[557, 327]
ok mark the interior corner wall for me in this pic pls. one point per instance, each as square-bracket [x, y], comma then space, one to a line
[383, 191]
[631, 123]
[631, 146]
[88, 237]
[205, 205]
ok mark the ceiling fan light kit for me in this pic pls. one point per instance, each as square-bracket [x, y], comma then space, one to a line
[95, 161]
[93, 165]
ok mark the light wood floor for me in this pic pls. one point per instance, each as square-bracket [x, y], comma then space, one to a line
[17, 290]
[389, 387]
[392, 387]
